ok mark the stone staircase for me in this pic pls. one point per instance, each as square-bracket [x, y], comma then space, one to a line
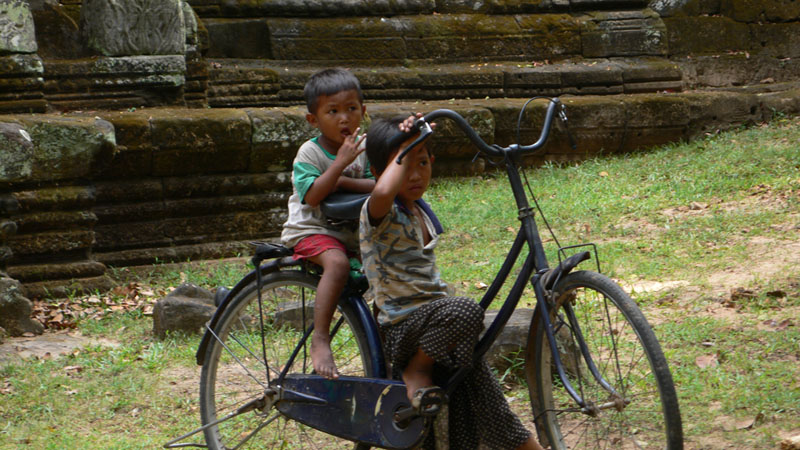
[137, 152]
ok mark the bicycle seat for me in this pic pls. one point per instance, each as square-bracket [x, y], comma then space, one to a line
[343, 205]
[266, 250]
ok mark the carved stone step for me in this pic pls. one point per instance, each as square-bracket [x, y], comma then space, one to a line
[239, 83]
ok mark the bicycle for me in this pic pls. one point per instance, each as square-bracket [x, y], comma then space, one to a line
[596, 374]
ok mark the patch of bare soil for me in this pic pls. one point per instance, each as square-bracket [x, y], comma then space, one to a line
[768, 257]
[47, 346]
[723, 293]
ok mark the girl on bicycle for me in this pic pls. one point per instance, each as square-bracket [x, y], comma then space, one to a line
[428, 334]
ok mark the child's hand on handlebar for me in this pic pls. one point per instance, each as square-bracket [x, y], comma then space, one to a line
[408, 124]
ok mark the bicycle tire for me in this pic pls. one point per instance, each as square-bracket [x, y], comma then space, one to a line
[620, 340]
[234, 371]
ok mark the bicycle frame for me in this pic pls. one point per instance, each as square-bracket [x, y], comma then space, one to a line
[535, 264]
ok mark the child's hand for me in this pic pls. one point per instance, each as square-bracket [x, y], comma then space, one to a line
[408, 124]
[350, 150]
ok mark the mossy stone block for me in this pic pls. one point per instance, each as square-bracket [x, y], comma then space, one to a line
[597, 122]
[706, 35]
[57, 34]
[17, 34]
[200, 141]
[337, 38]
[55, 198]
[277, 134]
[134, 156]
[128, 190]
[224, 185]
[312, 8]
[712, 111]
[17, 157]
[761, 10]
[50, 243]
[55, 220]
[63, 148]
[778, 40]
[43, 272]
[238, 38]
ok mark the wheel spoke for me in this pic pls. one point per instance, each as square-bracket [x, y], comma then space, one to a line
[625, 352]
[233, 373]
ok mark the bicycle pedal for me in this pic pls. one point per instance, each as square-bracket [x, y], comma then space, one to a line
[428, 401]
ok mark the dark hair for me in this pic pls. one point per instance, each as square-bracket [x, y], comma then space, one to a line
[379, 137]
[329, 82]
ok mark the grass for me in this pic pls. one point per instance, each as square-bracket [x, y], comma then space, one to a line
[727, 204]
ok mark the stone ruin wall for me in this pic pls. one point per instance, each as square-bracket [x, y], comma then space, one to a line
[120, 150]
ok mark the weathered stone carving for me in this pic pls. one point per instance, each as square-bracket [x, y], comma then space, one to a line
[16, 159]
[60, 148]
[134, 27]
[17, 34]
[623, 33]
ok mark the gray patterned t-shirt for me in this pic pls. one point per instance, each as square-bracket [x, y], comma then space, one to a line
[313, 160]
[401, 269]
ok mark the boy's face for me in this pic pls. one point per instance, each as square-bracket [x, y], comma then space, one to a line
[337, 116]
[419, 173]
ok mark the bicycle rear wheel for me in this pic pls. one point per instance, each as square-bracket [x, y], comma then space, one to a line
[644, 414]
[237, 370]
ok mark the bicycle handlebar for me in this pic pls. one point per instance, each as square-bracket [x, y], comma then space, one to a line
[423, 124]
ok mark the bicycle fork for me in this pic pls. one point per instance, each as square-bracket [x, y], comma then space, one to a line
[588, 408]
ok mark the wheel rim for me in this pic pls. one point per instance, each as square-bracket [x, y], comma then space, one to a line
[633, 420]
[235, 373]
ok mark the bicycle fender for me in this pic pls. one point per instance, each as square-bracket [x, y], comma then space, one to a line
[374, 341]
[550, 277]
[268, 268]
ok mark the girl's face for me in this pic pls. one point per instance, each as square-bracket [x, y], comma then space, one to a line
[419, 173]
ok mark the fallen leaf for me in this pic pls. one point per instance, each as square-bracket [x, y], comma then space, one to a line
[481, 285]
[603, 174]
[705, 361]
[696, 206]
[747, 424]
[73, 369]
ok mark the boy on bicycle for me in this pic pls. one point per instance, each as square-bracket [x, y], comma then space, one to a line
[428, 334]
[327, 163]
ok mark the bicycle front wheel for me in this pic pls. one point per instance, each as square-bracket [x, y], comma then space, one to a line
[252, 345]
[640, 411]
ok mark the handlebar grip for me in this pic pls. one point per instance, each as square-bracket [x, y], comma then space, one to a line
[425, 132]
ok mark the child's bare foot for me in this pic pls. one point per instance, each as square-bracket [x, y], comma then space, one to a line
[322, 357]
[416, 378]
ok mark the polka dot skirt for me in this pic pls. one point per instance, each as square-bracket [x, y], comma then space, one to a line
[447, 330]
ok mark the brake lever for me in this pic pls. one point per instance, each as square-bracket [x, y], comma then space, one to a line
[425, 130]
[562, 114]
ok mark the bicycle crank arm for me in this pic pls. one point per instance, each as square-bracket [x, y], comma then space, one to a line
[257, 403]
[359, 409]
